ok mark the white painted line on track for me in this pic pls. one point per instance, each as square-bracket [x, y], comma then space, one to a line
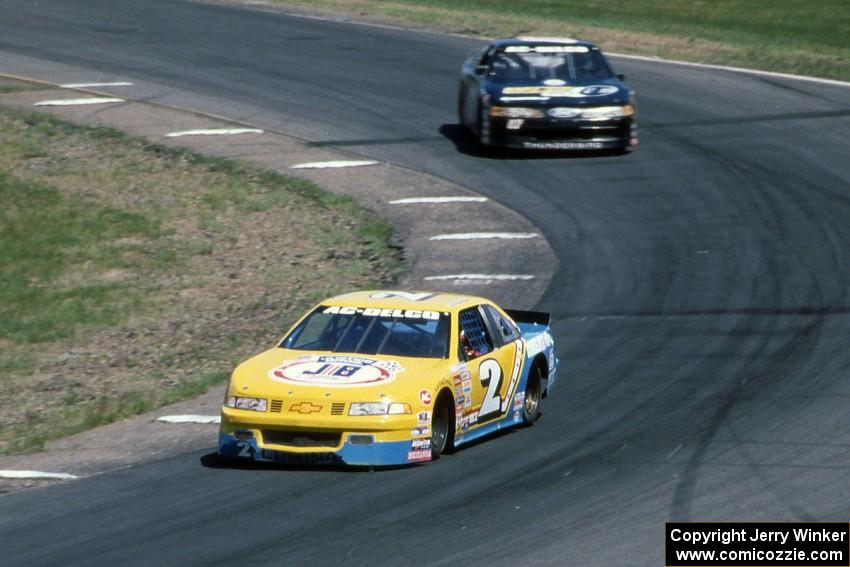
[332, 164]
[35, 474]
[486, 235]
[189, 418]
[91, 85]
[214, 132]
[498, 277]
[437, 200]
[77, 101]
[744, 70]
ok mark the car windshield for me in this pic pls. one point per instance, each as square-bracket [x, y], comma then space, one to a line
[398, 332]
[569, 63]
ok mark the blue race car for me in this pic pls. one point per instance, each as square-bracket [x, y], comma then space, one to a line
[546, 94]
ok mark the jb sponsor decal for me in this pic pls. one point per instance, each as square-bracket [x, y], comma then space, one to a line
[336, 371]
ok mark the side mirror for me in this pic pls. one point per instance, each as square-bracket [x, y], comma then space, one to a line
[621, 76]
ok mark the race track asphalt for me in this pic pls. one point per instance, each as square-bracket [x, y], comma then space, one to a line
[701, 308]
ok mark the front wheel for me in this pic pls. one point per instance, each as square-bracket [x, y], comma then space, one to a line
[442, 427]
[533, 395]
[482, 128]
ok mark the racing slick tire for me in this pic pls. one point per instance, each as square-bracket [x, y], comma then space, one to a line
[483, 142]
[533, 396]
[442, 426]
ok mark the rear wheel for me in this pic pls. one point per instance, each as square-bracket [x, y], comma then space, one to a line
[442, 426]
[533, 395]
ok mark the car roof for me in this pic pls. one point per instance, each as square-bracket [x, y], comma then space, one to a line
[398, 299]
[529, 40]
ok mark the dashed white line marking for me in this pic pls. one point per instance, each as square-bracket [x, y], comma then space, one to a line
[330, 164]
[214, 132]
[35, 474]
[437, 200]
[90, 85]
[77, 101]
[190, 418]
[497, 277]
[486, 235]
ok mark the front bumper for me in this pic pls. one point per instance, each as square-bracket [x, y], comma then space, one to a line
[562, 134]
[394, 441]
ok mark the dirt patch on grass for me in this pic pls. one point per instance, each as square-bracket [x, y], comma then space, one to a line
[135, 275]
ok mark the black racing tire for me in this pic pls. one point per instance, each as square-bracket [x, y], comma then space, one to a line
[479, 121]
[442, 426]
[533, 396]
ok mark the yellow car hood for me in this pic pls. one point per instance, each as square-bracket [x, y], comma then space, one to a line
[280, 372]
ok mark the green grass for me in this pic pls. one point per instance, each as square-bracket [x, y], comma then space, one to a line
[134, 275]
[791, 36]
[43, 235]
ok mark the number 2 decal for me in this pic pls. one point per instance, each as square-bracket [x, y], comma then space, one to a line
[244, 449]
[490, 374]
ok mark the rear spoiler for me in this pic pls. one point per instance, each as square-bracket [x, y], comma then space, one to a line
[532, 317]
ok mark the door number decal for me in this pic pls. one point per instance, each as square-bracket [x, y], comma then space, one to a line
[490, 374]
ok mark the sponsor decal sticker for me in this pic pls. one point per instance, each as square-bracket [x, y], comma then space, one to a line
[420, 444]
[563, 91]
[538, 344]
[425, 397]
[408, 295]
[424, 455]
[546, 49]
[519, 400]
[424, 418]
[563, 145]
[336, 371]
[420, 431]
[378, 312]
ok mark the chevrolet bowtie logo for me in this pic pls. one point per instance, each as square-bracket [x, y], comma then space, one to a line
[305, 407]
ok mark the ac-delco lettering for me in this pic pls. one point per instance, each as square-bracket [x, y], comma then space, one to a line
[378, 312]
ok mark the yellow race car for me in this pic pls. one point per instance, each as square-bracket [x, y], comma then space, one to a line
[388, 378]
